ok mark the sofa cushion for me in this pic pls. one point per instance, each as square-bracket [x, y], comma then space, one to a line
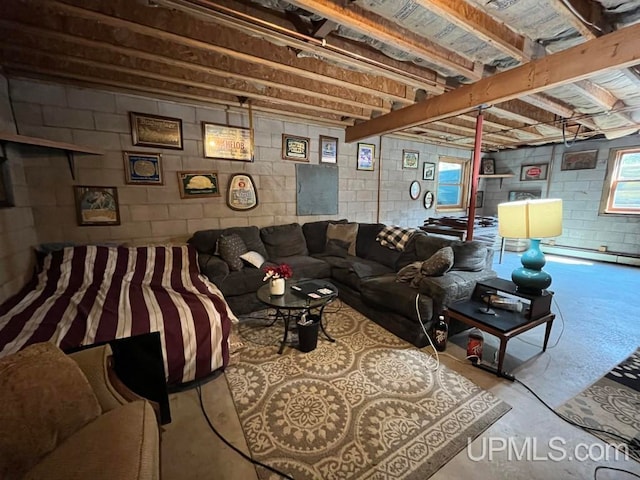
[367, 247]
[44, 399]
[385, 293]
[121, 444]
[248, 280]
[315, 233]
[352, 270]
[253, 258]
[427, 245]
[438, 264]
[205, 241]
[469, 256]
[284, 241]
[344, 232]
[304, 266]
[230, 247]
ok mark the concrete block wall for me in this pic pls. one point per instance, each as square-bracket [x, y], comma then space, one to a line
[581, 191]
[156, 213]
[17, 229]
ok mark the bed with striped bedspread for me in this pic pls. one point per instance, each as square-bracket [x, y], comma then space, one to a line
[92, 294]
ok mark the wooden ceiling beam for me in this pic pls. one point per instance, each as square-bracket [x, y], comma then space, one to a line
[374, 26]
[611, 51]
[478, 23]
[585, 16]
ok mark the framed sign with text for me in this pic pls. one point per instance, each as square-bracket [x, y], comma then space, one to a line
[227, 143]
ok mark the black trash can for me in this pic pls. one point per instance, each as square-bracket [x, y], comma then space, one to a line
[308, 332]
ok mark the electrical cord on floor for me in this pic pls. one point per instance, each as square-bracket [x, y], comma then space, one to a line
[425, 332]
[595, 473]
[559, 336]
[226, 442]
[632, 443]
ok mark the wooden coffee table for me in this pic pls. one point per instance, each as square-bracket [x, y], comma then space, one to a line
[291, 306]
[504, 324]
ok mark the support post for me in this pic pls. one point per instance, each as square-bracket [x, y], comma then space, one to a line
[476, 172]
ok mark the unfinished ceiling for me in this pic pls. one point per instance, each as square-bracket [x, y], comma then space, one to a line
[418, 68]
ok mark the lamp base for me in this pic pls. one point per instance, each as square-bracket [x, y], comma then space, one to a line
[530, 278]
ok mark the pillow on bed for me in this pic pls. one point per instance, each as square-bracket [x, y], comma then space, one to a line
[253, 258]
[230, 247]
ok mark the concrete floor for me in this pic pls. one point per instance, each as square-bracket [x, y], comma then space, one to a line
[598, 305]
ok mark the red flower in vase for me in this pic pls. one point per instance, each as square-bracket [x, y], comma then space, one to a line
[280, 271]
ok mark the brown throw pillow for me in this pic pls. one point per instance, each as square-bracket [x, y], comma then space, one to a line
[439, 263]
[230, 247]
[44, 399]
[345, 232]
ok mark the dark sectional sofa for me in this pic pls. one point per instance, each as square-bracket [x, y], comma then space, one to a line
[368, 280]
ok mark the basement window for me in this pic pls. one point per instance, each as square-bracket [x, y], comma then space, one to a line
[623, 195]
[453, 183]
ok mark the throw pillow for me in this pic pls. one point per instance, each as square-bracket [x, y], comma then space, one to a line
[230, 248]
[439, 263]
[336, 248]
[44, 399]
[408, 272]
[253, 258]
[469, 256]
[345, 232]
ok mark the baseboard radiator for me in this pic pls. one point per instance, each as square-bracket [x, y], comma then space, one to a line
[612, 257]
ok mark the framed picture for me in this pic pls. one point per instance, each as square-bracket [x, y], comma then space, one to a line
[410, 158]
[427, 201]
[242, 194]
[366, 156]
[295, 148]
[579, 160]
[227, 143]
[6, 190]
[141, 168]
[156, 131]
[198, 184]
[534, 172]
[328, 149]
[428, 171]
[487, 166]
[524, 195]
[97, 205]
[414, 190]
[479, 198]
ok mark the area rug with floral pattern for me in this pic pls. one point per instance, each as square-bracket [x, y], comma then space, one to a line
[368, 406]
[612, 404]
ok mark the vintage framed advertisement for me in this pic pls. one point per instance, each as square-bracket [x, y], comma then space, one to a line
[328, 149]
[242, 194]
[198, 184]
[428, 171]
[410, 158]
[414, 190]
[427, 200]
[487, 166]
[524, 195]
[366, 156]
[295, 148]
[141, 168]
[534, 172]
[97, 205]
[155, 131]
[579, 160]
[227, 143]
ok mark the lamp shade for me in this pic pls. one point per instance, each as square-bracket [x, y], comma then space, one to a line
[530, 218]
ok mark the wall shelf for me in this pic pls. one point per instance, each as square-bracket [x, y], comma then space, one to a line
[501, 176]
[69, 148]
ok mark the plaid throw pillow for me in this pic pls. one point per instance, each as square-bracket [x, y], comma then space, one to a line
[394, 237]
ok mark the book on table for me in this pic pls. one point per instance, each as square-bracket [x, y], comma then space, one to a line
[312, 289]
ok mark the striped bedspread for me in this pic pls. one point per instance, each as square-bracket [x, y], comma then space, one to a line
[92, 294]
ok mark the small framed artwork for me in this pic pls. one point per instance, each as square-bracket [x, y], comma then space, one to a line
[524, 195]
[198, 184]
[428, 171]
[479, 198]
[242, 194]
[295, 148]
[141, 168]
[579, 160]
[328, 149]
[427, 201]
[410, 158]
[487, 166]
[156, 131]
[414, 190]
[6, 190]
[534, 172]
[366, 156]
[227, 143]
[97, 205]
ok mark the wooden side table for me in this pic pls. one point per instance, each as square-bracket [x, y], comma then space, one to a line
[504, 324]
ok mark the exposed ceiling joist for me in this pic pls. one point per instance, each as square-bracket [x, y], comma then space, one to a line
[614, 50]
